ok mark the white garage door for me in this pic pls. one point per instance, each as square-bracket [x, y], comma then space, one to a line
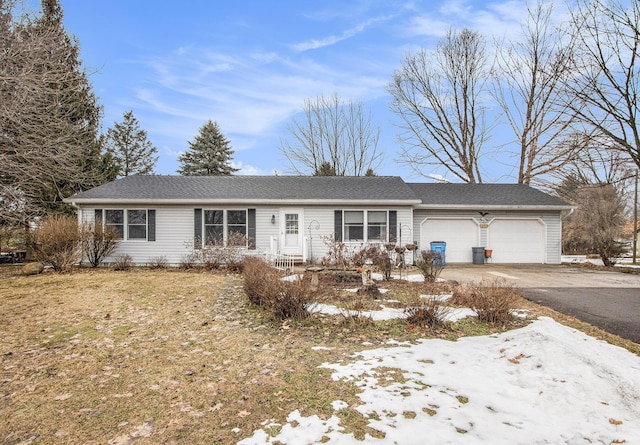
[517, 241]
[459, 234]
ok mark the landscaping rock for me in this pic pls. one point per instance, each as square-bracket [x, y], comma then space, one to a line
[32, 269]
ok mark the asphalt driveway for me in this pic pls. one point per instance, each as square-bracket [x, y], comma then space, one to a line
[609, 300]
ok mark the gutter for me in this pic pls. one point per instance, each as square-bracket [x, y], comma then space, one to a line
[228, 201]
[492, 207]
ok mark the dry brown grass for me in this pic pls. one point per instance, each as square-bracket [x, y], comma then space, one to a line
[164, 356]
[174, 357]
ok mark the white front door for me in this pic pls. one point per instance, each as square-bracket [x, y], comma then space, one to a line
[291, 231]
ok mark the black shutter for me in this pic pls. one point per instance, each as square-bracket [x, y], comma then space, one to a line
[337, 225]
[151, 225]
[197, 229]
[251, 228]
[393, 226]
[97, 217]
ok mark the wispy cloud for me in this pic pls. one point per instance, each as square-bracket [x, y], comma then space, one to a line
[332, 40]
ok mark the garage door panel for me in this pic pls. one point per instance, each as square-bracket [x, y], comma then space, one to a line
[459, 234]
[517, 241]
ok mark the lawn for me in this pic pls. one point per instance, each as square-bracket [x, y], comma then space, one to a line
[143, 356]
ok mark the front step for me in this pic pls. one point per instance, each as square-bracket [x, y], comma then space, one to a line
[286, 261]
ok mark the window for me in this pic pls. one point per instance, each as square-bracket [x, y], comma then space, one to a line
[137, 224]
[213, 226]
[237, 222]
[220, 224]
[377, 226]
[353, 226]
[291, 224]
[115, 219]
[380, 225]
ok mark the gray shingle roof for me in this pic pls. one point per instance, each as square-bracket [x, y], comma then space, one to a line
[319, 189]
[484, 195]
[250, 188]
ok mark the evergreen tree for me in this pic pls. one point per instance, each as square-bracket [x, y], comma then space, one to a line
[208, 155]
[50, 116]
[129, 147]
[325, 169]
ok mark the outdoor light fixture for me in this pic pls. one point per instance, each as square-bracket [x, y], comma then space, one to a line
[273, 219]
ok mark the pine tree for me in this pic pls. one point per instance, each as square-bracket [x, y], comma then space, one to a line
[208, 155]
[50, 116]
[132, 152]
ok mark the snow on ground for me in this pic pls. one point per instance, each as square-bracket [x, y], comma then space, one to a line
[386, 313]
[542, 384]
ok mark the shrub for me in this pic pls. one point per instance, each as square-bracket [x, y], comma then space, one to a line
[57, 241]
[189, 261]
[230, 254]
[429, 312]
[492, 302]
[378, 256]
[337, 253]
[98, 243]
[261, 281]
[293, 299]
[123, 262]
[264, 287]
[430, 265]
[158, 262]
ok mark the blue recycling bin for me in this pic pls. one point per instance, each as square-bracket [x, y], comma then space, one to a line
[440, 247]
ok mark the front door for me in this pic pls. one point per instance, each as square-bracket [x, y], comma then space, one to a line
[291, 231]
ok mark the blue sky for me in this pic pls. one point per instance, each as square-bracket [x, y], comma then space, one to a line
[249, 66]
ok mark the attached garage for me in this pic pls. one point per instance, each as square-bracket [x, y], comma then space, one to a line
[517, 241]
[459, 234]
[518, 223]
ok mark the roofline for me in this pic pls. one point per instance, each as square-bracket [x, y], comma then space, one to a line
[108, 201]
[492, 207]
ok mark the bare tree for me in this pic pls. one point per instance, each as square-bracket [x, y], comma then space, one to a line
[528, 85]
[332, 135]
[598, 220]
[606, 88]
[438, 96]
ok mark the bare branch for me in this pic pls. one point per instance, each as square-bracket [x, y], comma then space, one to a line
[438, 96]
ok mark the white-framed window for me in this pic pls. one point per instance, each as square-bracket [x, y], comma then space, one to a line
[237, 222]
[354, 225]
[377, 223]
[137, 224]
[365, 225]
[114, 219]
[213, 226]
[219, 224]
[130, 224]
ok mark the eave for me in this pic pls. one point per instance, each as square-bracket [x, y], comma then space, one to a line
[278, 202]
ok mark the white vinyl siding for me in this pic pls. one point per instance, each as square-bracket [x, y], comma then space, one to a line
[173, 234]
